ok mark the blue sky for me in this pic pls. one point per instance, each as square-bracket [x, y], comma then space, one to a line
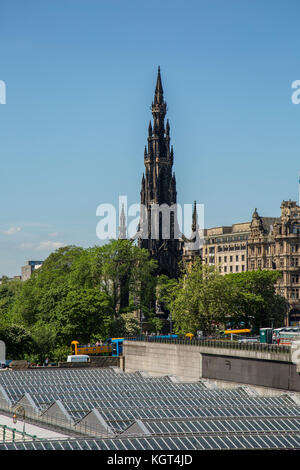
[80, 78]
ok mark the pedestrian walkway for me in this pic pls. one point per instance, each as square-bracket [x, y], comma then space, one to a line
[33, 430]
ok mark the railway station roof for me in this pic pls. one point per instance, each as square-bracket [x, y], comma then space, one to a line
[133, 411]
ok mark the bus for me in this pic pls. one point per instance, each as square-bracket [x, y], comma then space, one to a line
[285, 336]
[91, 349]
[110, 347]
[116, 344]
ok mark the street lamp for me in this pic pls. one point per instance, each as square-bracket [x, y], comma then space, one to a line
[289, 307]
[20, 409]
[142, 319]
[170, 320]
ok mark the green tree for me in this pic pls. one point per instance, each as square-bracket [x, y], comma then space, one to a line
[125, 273]
[82, 314]
[252, 299]
[18, 340]
[9, 293]
[80, 294]
[202, 298]
[196, 301]
[44, 339]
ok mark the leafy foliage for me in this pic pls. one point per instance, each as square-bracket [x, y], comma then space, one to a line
[91, 294]
[18, 340]
[253, 300]
[203, 298]
[197, 301]
[77, 293]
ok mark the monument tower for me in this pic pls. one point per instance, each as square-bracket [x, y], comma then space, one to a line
[158, 190]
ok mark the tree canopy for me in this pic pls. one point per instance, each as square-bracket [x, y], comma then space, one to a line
[82, 294]
[94, 293]
[202, 298]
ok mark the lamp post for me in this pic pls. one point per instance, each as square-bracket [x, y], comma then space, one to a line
[289, 308]
[170, 320]
[142, 319]
[20, 409]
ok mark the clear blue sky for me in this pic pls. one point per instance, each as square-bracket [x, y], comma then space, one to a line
[80, 78]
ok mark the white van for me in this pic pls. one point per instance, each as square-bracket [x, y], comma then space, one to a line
[79, 358]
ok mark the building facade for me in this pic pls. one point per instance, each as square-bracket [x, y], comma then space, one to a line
[276, 245]
[28, 269]
[262, 243]
[226, 247]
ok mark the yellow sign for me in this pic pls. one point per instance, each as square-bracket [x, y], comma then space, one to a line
[228, 332]
[189, 335]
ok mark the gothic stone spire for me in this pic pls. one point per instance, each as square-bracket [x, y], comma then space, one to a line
[122, 226]
[159, 184]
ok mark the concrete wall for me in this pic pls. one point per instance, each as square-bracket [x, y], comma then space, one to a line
[192, 362]
[281, 375]
[163, 359]
[2, 351]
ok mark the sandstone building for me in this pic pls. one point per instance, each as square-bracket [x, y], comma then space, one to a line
[262, 243]
[276, 245]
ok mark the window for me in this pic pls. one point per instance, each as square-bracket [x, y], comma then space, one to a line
[259, 264]
[295, 294]
[296, 228]
[220, 259]
[225, 269]
[231, 269]
[243, 257]
[243, 267]
[236, 268]
[225, 259]
[231, 259]
[295, 279]
[236, 258]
